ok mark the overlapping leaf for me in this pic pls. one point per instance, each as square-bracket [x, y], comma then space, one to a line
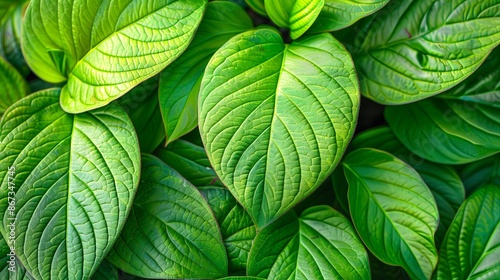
[447, 131]
[297, 15]
[267, 147]
[394, 212]
[104, 48]
[471, 249]
[320, 244]
[180, 82]
[336, 14]
[476, 174]
[258, 6]
[13, 85]
[190, 161]
[237, 228]
[415, 49]
[141, 104]
[443, 181]
[10, 41]
[75, 176]
[171, 231]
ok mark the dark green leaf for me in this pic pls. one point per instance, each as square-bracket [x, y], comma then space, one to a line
[447, 131]
[10, 41]
[415, 49]
[393, 210]
[141, 104]
[190, 161]
[75, 178]
[269, 149]
[476, 174]
[13, 85]
[237, 228]
[171, 231]
[180, 82]
[106, 271]
[471, 249]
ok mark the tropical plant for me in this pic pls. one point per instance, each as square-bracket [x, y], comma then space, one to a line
[212, 139]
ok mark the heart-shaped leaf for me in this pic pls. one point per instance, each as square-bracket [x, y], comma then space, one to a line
[471, 249]
[180, 82]
[275, 119]
[237, 228]
[75, 178]
[447, 131]
[297, 15]
[13, 85]
[103, 54]
[171, 231]
[415, 49]
[336, 14]
[320, 244]
[394, 212]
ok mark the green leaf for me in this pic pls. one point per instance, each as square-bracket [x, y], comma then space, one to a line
[190, 161]
[258, 6]
[443, 181]
[180, 82]
[241, 278]
[75, 179]
[415, 49]
[10, 41]
[103, 55]
[336, 14]
[141, 104]
[320, 244]
[297, 15]
[476, 174]
[237, 228]
[14, 87]
[171, 231]
[481, 87]
[447, 131]
[393, 210]
[471, 249]
[106, 271]
[276, 118]
[7, 8]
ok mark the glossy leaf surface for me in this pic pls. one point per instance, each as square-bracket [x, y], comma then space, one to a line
[415, 49]
[447, 131]
[171, 231]
[75, 177]
[104, 54]
[269, 149]
[394, 212]
[320, 244]
[471, 249]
